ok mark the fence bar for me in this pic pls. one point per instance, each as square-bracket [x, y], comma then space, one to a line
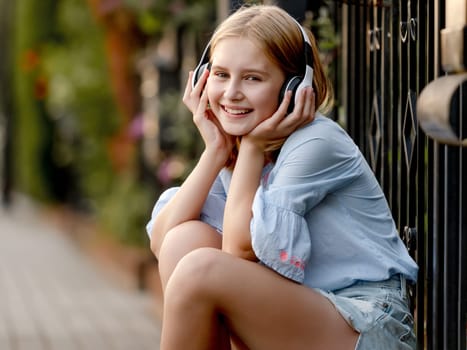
[421, 176]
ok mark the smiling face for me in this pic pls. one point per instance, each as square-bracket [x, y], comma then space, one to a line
[243, 85]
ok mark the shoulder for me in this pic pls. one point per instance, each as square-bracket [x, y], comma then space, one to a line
[323, 136]
[321, 128]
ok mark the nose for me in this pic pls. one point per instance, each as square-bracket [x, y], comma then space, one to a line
[233, 90]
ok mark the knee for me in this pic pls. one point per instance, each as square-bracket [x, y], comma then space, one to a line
[195, 274]
[169, 253]
[154, 244]
[186, 237]
[168, 247]
[175, 245]
[170, 243]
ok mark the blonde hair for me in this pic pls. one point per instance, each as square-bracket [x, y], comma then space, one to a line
[278, 35]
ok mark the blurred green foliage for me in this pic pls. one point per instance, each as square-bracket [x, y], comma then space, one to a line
[154, 16]
[66, 113]
[31, 123]
[192, 20]
[125, 210]
[79, 99]
[65, 117]
[323, 27]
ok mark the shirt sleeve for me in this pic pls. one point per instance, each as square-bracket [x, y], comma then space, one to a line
[313, 163]
[212, 212]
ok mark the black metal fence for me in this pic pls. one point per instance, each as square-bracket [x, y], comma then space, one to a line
[391, 52]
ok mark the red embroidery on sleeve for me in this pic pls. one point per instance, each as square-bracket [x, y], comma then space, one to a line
[295, 261]
[284, 256]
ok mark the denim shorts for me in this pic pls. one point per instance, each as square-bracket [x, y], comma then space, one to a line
[379, 312]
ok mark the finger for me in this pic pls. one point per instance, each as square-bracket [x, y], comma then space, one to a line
[188, 85]
[282, 109]
[301, 102]
[200, 84]
[300, 114]
[203, 103]
[307, 102]
[308, 112]
[312, 106]
[297, 114]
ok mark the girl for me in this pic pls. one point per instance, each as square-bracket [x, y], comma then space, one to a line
[281, 237]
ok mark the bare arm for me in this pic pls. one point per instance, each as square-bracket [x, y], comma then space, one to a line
[236, 238]
[246, 176]
[189, 200]
[187, 203]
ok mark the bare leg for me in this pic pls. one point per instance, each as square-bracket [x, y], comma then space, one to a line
[180, 241]
[263, 309]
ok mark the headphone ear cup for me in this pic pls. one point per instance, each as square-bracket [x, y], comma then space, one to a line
[290, 84]
[198, 73]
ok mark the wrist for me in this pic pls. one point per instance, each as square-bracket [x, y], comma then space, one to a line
[251, 149]
[214, 157]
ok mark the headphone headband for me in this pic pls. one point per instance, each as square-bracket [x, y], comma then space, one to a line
[306, 45]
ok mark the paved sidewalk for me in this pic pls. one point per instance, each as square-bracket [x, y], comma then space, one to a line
[52, 297]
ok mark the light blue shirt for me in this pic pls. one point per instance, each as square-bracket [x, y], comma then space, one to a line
[319, 215]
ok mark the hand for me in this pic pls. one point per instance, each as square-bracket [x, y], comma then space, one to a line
[280, 125]
[214, 137]
[191, 95]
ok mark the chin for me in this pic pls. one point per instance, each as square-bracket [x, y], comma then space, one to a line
[236, 127]
[235, 131]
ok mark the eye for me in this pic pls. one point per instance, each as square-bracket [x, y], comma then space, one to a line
[221, 74]
[253, 78]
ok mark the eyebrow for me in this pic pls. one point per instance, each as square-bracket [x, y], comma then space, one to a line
[247, 70]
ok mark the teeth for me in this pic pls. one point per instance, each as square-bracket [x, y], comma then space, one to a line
[236, 111]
